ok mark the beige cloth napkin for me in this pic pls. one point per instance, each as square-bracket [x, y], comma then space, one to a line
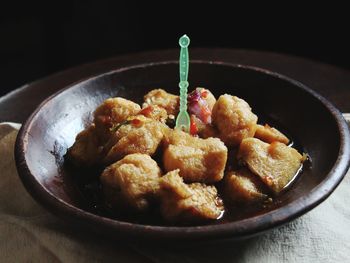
[30, 234]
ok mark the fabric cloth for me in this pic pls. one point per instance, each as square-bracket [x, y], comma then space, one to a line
[28, 233]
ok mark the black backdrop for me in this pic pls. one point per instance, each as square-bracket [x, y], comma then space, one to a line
[39, 39]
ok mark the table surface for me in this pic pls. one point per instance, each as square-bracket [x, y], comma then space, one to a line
[330, 81]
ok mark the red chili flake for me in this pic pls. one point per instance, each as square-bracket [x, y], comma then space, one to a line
[204, 93]
[193, 127]
[136, 122]
[146, 111]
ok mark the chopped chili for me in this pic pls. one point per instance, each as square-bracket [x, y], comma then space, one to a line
[193, 126]
[136, 122]
[146, 111]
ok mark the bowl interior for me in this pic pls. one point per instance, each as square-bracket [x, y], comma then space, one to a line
[54, 126]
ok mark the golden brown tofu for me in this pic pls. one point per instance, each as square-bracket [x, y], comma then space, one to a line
[139, 135]
[199, 160]
[173, 183]
[203, 130]
[163, 99]
[188, 203]
[197, 126]
[242, 187]
[111, 112]
[154, 112]
[234, 119]
[276, 164]
[269, 134]
[131, 183]
[86, 150]
[208, 131]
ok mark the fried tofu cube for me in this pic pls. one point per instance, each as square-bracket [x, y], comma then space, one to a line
[86, 150]
[234, 119]
[242, 187]
[276, 164]
[163, 99]
[154, 112]
[111, 112]
[138, 135]
[188, 203]
[204, 130]
[208, 131]
[269, 134]
[173, 183]
[131, 183]
[199, 160]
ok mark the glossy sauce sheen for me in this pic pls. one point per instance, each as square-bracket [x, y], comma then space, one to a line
[92, 197]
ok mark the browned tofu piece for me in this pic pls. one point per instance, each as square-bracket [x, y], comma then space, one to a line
[199, 160]
[111, 112]
[243, 187]
[276, 164]
[154, 112]
[172, 183]
[188, 203]
[269, 134]
[138, 135]
[204, 130]
[234, 119]
[208, 131]
[86, 150]
[163, 99]
[131, 183]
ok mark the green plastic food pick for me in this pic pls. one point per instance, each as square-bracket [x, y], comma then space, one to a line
[183, 119]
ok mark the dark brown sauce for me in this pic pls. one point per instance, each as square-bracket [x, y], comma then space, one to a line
[90, 191]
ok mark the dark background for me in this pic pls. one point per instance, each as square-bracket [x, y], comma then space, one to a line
[39, 39]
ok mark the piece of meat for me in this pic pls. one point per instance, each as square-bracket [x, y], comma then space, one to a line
[188, 203]
[86, 150]
[163, 99]
[138, 135]
[111, 112]
[269, 134]
[276, 164]
[199, 160]
[234, 119]
[131, 183]
[242, 187]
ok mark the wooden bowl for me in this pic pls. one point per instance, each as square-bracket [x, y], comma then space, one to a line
[317, 125]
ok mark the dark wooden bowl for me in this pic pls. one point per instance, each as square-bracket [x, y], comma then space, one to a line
[51, 129]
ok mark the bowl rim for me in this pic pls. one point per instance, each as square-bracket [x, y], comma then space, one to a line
[237, 229]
